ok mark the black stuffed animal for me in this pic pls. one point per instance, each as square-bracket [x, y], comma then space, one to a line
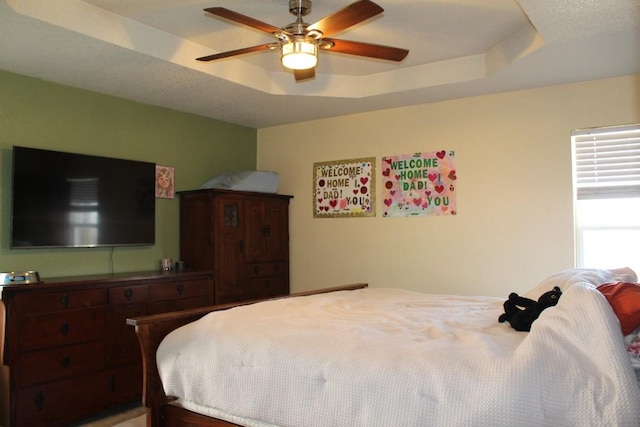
[521, 319]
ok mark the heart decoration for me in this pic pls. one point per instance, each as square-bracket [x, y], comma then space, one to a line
[333, 203]
[388, 202]
[432, 177]
[441, 154]
[452, 175]
[439, 189]
[417, 202]
[386, 172]
[364, 180]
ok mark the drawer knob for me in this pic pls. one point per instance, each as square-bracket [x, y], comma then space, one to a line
[64, 300]
[128, 294]
[65, 361]
[256, 269]
[39, 400]
[64, 328]
[180, 288]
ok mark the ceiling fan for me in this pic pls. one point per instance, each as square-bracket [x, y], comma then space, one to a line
[299, 42]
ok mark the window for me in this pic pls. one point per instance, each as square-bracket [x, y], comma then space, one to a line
[606, 166]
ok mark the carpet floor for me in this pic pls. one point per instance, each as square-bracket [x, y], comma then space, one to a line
[139, 421]
[128, 416]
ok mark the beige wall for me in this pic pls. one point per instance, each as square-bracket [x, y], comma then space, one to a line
[513, 159]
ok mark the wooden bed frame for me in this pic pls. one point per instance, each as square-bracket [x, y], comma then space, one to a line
[151, 330]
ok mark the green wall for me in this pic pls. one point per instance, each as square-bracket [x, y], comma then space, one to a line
[40, 114]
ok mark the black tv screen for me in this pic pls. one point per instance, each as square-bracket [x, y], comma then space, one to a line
[76, 200]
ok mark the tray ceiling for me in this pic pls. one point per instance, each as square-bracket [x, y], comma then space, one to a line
[145, 51]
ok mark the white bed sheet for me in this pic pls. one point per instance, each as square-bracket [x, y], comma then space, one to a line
[393, 357]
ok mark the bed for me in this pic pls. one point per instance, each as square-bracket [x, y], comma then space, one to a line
[361, 356]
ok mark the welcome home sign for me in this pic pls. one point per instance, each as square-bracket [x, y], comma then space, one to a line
[419, 184]
[344, 188]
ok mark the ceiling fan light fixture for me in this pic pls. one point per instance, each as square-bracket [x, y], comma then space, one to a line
[299, 54]
[299, 41]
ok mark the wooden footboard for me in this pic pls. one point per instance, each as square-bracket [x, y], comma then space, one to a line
[152, 329]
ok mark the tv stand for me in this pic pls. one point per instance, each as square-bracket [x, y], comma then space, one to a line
[67, 350]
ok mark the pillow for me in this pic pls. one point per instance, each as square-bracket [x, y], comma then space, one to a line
[595, 276]
[624, 298]
[258, 181]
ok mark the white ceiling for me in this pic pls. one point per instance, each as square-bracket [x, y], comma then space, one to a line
[145, 50]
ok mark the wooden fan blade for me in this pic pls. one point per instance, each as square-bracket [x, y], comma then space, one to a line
[302, 75]
[364, 49]
[346, 17]
[238, 52]
[245, 20]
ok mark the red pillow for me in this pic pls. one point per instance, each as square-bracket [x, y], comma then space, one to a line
[624, 298]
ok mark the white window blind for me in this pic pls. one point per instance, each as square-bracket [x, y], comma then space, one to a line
[607, 162]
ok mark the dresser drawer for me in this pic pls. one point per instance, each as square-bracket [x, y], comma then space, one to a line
[265, 269]
[45, 404]
[179, 289]
[47, 302]
[266, 287]
[166, 306]
[124, 385]
[59, 403]
[39, 332]
[60, 362]
[128, 294]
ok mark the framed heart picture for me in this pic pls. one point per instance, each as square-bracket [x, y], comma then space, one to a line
[344, 188]
[419, 184]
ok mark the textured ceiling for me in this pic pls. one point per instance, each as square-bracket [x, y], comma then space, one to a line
[145, 50]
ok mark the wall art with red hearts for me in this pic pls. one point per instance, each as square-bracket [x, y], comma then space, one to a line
[344, 188]
[419, 184]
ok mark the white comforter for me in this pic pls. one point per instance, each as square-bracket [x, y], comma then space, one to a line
[389, 357]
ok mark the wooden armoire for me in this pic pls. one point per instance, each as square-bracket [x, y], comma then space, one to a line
[242, 236]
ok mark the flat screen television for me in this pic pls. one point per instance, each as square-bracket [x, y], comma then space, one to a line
[75, 200]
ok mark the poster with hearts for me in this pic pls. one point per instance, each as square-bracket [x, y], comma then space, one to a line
[344, 188]
[419, 184]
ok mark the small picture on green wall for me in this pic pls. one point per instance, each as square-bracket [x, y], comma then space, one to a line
[165, 188]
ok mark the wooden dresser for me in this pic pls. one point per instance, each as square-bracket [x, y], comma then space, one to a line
[242, 236]
[67, 350]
